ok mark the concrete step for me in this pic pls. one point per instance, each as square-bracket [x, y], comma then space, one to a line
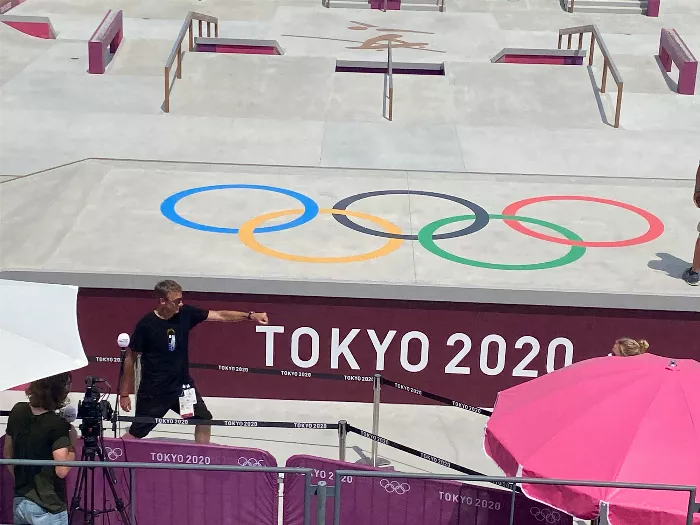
[349, 4]
[419, 7]
[613, 10]
[611, 3]
[417, 2]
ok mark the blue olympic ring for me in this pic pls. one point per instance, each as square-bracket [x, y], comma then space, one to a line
[167, 208]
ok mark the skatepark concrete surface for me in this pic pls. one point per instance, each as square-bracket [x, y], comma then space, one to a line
[86, 160]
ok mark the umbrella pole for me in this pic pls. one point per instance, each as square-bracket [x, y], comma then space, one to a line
[512, 505]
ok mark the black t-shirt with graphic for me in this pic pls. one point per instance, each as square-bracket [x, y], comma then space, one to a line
[36, 437]
[164, 353]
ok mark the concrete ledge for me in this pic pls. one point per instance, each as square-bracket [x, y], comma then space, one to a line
[379, 66]
[354, 290]
[36, 26]
[210, 42]
[672, 48]
[6, 5]
[577, 53]
[108, 34]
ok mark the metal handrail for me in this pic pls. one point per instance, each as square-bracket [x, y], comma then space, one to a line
[608, 62]
[176, 52]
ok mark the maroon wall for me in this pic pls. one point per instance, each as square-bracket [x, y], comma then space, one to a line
[103, 314]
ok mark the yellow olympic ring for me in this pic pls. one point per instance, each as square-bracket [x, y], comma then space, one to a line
[245, 233]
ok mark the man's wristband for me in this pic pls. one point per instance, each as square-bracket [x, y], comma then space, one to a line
[123, 395]
[250, 315]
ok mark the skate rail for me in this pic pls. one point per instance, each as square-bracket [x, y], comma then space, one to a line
[176, 52]
[608, 62]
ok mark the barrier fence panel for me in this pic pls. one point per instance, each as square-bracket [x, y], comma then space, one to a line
[540, 512]
[403, 501]
[195, 499]
[177, 497]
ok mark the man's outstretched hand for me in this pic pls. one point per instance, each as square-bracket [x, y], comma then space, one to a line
[259, 317]
[125, 403]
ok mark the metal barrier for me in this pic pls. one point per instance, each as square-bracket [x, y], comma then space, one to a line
[607, 59]
[308, 487]
[336, 493]
[187, 26]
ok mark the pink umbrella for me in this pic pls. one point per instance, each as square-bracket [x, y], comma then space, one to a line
[626, 419]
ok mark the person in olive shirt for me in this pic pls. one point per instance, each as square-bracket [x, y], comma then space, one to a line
[161, 338]
[35, 431]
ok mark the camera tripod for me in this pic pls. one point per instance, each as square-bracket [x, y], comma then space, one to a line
[85, 489]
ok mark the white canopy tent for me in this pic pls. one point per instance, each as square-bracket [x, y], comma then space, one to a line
[39, 334]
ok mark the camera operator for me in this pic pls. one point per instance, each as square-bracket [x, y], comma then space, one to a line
[161, 338]
[35, 431]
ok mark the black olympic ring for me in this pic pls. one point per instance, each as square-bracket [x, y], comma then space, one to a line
[480, 222]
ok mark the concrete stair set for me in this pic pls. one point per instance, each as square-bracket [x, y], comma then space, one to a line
[629, 7]
[391, 5]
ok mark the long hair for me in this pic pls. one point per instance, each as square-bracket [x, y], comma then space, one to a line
[50, 393]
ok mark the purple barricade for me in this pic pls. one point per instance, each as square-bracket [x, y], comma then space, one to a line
[179, 497]
[381, 501]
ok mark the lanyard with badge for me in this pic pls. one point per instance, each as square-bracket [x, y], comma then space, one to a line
[188, 398]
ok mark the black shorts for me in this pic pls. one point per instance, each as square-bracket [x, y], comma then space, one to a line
[147, 406]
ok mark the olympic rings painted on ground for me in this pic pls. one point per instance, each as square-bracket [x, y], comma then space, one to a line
[482, 216]
[656, 227]
[425, 237]
[167, 208]
[247, 237]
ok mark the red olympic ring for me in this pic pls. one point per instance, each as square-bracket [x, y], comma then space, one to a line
[656, 227]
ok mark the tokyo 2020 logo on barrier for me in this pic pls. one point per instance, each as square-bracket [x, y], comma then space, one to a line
[477, 220]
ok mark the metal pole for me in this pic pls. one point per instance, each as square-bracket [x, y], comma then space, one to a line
[580, 41]
[605, 74]
[590, 54]
[512, 506]
[132, 496]
[191, 38]
[390, 65]
[568, 41]
[385, 6]
[618, 107]
[336, 502]
[307, 498]
[166, 104]
[321, 496]
[178, 72]
[559, 42]
[385, 95]
[375, 416]
[342, 439]
[692, 508]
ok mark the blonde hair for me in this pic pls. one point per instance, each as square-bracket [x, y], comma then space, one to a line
[629, 347]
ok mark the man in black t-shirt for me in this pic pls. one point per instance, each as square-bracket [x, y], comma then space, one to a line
[161, 339]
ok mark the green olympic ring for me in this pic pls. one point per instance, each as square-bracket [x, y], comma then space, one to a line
[425, 237]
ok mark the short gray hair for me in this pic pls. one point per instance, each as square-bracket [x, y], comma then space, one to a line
[163, 288]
